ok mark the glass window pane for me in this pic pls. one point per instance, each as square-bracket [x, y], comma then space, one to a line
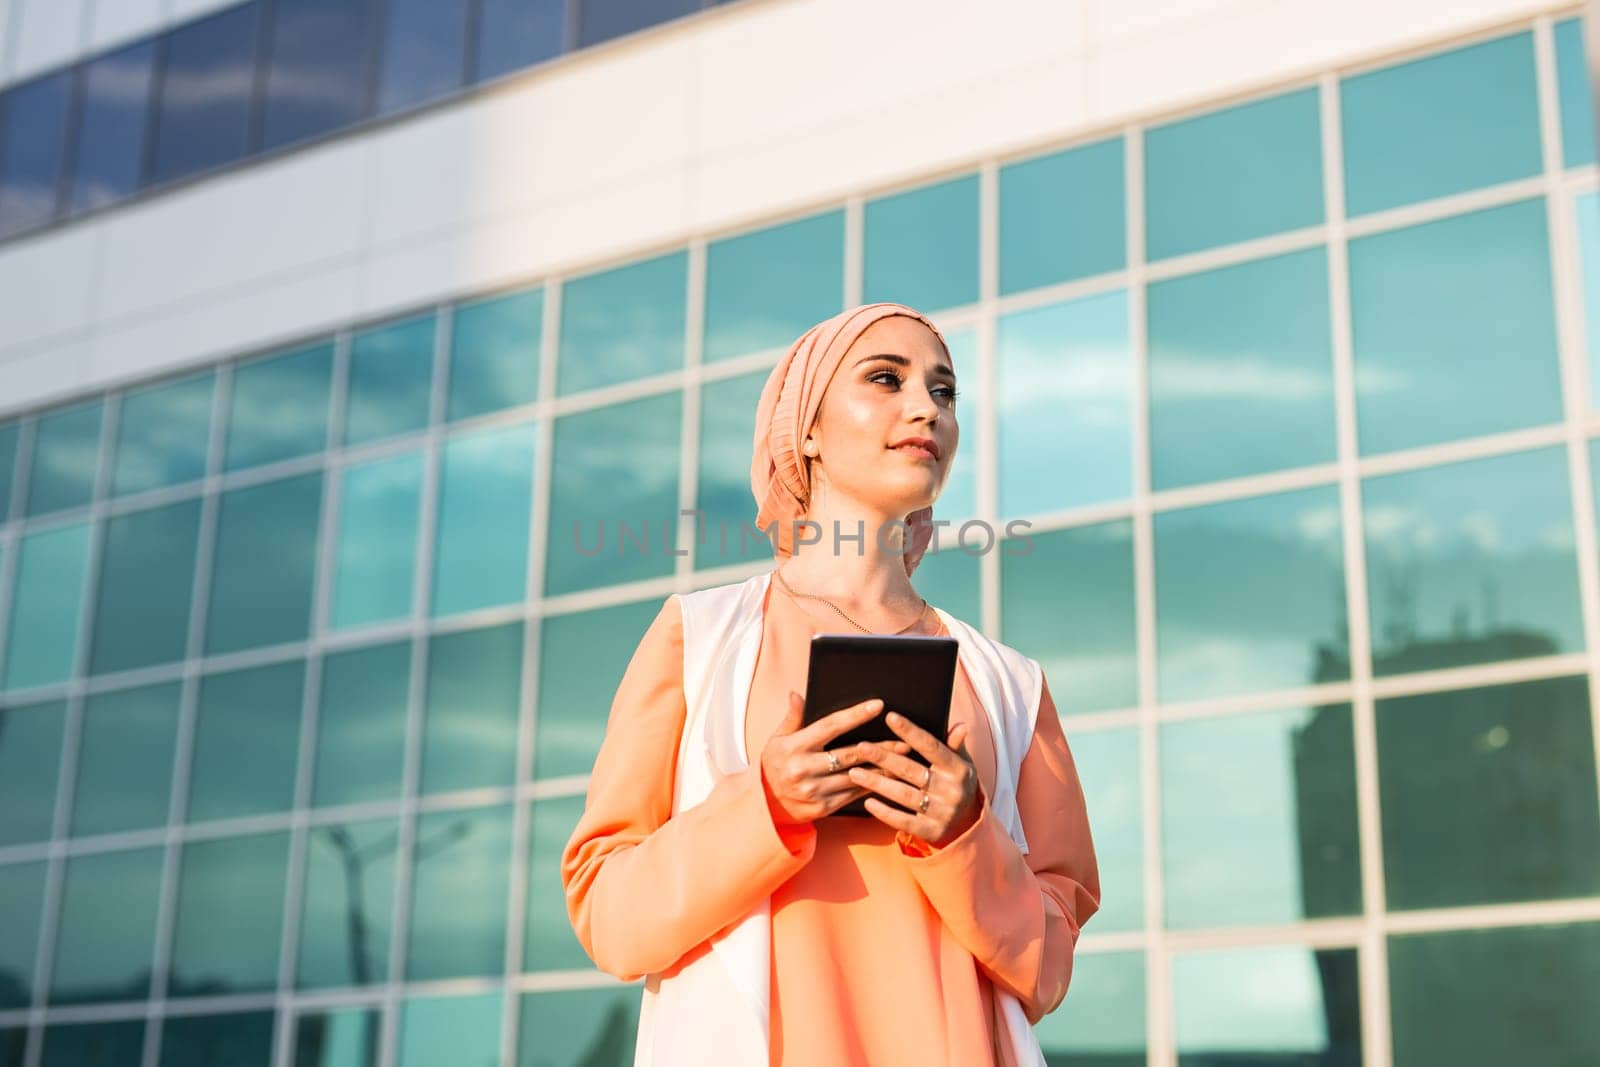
[513, 34]
[391, 375]
[1241, 370]
[46, 605]
[1088, 653]
[921, 246]
[325, 43]
[1062, 217]
[10, 441]
[247, 733]
[459, 892]
[594, 1027]
[1250, 596]
[626, 530]
[146, 585]
[347, 911]
[22, 902]
[1444, 124]
[279, 407]
[1233, 175]
[1065, 389]
[163, 435]
[601, 20]
[550, 944]
[242, 1039]
[1586, 209]
[1101, 1022]
[13, 1045]
[66, 454]
[424, 52]
[1577, 105]
[111, 1044]
[108, 146]
[342, 1038]
[106, 942]
[379, 508]
[765, 289]
[1283, 1004]
[125, 759]
[33, 138]
[495, 353]
[582, 657]
[252, 605]
[601, 347]
[1108, 767]
[30, 762]
[480, 552]
[361, 725]
[206, 94]
[1472, 562]
[950, 579]
[1454, 328]
[1506, 994]
[1489, 795]
[1258, 821]
[726, 530]
[230, 915]
[469, 732]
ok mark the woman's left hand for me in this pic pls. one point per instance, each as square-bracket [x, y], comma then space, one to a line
[941, 799]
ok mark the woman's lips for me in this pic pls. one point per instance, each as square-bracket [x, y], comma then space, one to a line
[916, 451]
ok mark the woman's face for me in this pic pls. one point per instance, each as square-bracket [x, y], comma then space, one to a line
[895, 384]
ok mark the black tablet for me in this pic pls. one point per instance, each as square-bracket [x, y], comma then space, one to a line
[913, 674]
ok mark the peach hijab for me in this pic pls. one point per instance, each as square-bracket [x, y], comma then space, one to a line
[780, 474]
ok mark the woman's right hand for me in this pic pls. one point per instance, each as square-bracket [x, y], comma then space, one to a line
[802, 785]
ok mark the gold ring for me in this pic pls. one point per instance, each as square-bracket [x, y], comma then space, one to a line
[833, 763]
[923, 807]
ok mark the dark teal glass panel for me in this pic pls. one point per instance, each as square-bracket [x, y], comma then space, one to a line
[279, 407]
[246, 741]
[450, 1029]
[480, 554]
[952, 580]
[958, 500]
[1443, 124]
[380, 506]
[242, 1039]
[125, 759]
[146, 588]
[13, 1046]
[1277, 1005]
[921, 246]
[1062, 217]
[1454, 328]
[614, 501]
[47, 606]
[1067, 600]
[1064, 405]
[105, 946]
[110, 1044]
[1488, 795]
[164, 435]
[1258, 820]
[347, 911]
[726, 532]
[253, 605]
[495, 352]
[1576, 93]
[1241, 371]
[230, 916]
[1506, 994]
[10, 441]
[459, 891]
[594, 1027]
[341, 1038]
[361, 725]
[469, 729]
[22, 902]
[1108, 767]
[601, 347]
[1472, 562]
[423, 54]
[765, 289]
[391, 376]
[1250, 596]
[30, 762]
[1234, 175]
[66, 455]
[549, 943]
[582, 657]
[1101, 1024]
[1586, 209]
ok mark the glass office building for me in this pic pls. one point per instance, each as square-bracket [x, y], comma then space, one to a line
[307, 644]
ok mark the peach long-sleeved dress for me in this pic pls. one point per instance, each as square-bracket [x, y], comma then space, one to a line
[884, 950]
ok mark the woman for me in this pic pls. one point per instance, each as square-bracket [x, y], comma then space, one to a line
[931, 933]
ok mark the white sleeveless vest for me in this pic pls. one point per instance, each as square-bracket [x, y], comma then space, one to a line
[714, 1012]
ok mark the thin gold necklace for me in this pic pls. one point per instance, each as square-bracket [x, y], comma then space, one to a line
[848, 619]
